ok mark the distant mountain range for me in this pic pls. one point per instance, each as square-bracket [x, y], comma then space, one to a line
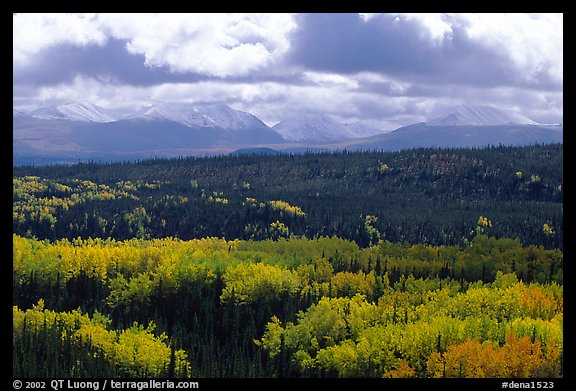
[320, 129]
[74, 111]
[82, 130]
[481, 116]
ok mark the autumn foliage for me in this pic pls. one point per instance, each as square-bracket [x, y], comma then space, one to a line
[418, 264]
[518, 357]
[314, 307]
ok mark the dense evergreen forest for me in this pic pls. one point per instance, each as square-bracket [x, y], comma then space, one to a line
[420, 263]
[432, 196]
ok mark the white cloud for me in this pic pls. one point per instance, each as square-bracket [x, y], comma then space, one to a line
[436, 25]
[230, 46]
[212, 44]
[533, 42]
[81, 88]
[33, 32]
[331, 79]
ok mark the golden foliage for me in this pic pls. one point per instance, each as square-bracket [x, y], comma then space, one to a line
[517, 358]
[286, 207]
[403, 370]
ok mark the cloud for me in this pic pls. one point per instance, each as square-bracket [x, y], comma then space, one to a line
[217, 45]
[109, 63]
[35, 32]
[331, 79]
[213, 44]
[81, 88]
[532, 42]
[387, 69]
[466, 49]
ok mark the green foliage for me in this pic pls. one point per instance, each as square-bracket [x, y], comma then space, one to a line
[252, 282]
[350, 284]
[356, 338]
[432, 196]
[314, 307]
[434, 263]
[135, 351]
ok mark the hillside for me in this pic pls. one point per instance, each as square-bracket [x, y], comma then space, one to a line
[422, 135]
[424, 195]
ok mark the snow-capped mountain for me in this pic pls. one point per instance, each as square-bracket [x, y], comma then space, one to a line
[85, 131]
[74, 111]
[359, 129]
[467, 126]
[321, 129]
[200, 116]
[481, 116]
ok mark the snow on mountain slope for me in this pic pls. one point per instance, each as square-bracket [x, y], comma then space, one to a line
[318, 128]
[226, 117]
[359, 130]
[172, 129]
[200, 116]
[481, 116]
[75, 111]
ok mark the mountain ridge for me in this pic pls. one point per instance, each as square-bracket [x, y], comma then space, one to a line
[205, 115]
[321, 128]
[83, 111]
[480, 115]
[85, 130]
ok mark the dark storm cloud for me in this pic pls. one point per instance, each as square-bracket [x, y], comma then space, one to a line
[400, 47]
[110, 63]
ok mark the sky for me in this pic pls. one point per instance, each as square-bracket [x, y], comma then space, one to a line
[386, 70]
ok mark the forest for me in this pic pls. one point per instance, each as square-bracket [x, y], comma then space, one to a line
[423, 263]
[432, 196]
